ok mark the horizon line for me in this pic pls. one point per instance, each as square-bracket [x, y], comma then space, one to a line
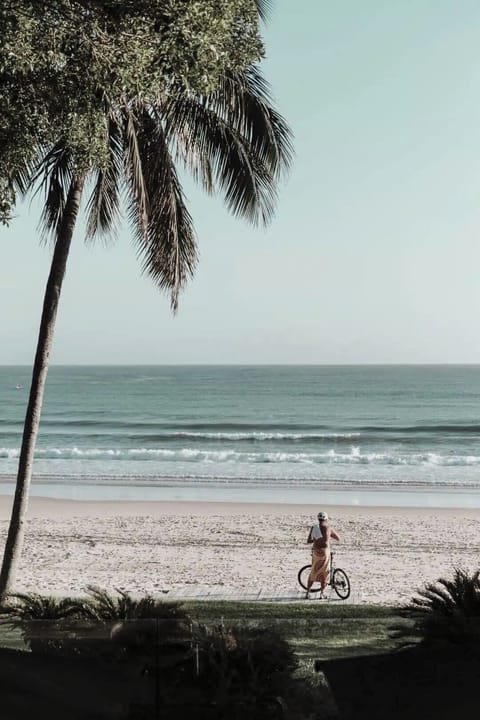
[253, 364]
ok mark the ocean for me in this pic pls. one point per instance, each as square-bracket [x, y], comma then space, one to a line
[364, 435]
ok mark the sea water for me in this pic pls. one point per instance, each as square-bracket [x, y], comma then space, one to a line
[381, 435]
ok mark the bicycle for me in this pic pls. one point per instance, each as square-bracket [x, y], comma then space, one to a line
[338, 579]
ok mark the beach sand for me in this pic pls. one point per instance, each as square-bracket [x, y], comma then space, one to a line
[235, 550]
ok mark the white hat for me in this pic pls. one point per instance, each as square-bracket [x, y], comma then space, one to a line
[322, 516]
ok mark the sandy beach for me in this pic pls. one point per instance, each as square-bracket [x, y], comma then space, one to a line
[234, 549]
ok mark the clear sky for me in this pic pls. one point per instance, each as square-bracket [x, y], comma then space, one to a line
[374, 254]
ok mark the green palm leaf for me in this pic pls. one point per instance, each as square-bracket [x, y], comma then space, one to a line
[103, 207]
[134, 164]
[244, 101]
[235, 138]
[166, 242]
[103, 606]
[448, 610]
[263, 8]
[51, 170]
[225, 160]
[58, 169]
[232, 141]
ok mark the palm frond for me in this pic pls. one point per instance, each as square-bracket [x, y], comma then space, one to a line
[207, 141]
[24, 607]
[448, 596]
[101, 605]
[263, 8]
[245, 181]
[198, 164]
[166, 242]
[448, 610]
[134, 167]
[244, 100]
[51, 170]
[103, 207]
[236, 137]
[26, 172]
[433, 596]
[55, 173]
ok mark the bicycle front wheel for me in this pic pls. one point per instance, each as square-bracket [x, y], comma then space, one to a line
[341, 583]
[302, 576]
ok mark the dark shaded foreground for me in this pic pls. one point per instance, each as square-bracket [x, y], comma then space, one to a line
[417, 683]
[56, 687]
[142, 670]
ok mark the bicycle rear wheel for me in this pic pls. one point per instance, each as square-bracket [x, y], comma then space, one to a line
[341, 583]
[302, 576]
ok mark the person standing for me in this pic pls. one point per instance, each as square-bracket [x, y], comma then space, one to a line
[320, 535]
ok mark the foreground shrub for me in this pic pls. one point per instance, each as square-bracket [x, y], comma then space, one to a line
[165, 664]
[448, 611]
[250, 673]
[44, 622]
[101, 624]
[101, 605]
[31, 606]
[136, 623]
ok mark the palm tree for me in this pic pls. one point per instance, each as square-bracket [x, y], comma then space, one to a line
[232, 141]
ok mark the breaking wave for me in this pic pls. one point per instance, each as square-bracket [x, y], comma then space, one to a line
[194, 455]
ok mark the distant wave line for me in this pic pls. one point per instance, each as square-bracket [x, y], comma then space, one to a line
[241, 431]
[67, 420]
[429, 428]
[262, 436]
[213, 437]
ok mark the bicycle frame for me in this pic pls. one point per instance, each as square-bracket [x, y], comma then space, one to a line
[332, 568]
[338, 579]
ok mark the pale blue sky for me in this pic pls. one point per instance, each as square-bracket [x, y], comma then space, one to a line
[374, 254]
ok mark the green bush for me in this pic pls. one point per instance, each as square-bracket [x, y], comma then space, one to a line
[45, 622]
[171, 664]
[448, 612]
[101, 624]
[248, 673]
[100, 605]
[137, 625]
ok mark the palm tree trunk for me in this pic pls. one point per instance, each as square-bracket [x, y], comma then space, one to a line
[16, 530]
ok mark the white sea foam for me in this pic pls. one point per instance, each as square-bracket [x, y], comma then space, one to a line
[194, 455]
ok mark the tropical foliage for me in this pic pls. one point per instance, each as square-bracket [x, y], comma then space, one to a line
[447, 611]
[100, 622]
[239, 672]
[63, 61]
[42, 620]
[105, 607]
[232, 141]
[26, 607]
[246, 670]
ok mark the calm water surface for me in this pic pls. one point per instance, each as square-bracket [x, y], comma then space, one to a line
[361, 434]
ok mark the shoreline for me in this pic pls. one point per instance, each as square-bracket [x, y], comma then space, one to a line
[354, 496]
[48, 507]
